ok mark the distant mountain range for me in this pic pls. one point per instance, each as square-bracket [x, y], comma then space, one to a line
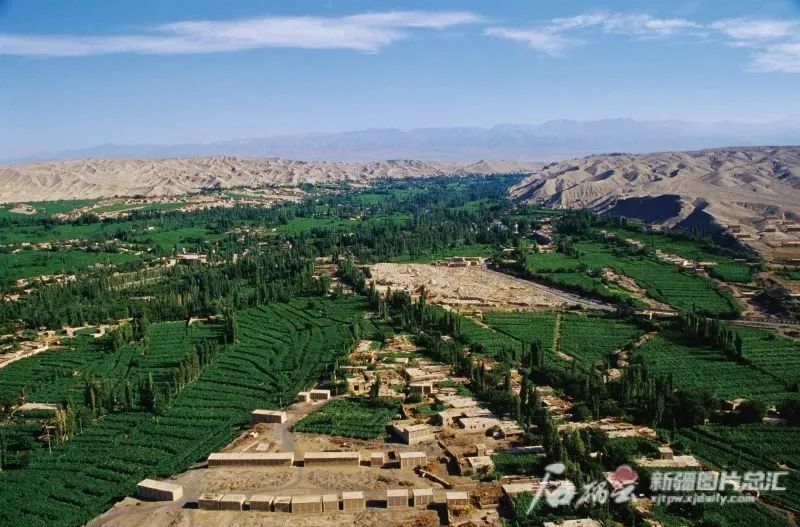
[704, 189]
[553, 140]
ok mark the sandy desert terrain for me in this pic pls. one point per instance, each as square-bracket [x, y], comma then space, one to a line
[96, 178]
[726, 186]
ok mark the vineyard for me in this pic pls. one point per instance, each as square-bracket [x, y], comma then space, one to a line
[280, 350]
[699, 367]
[27, 264]
[752, 447]
[771, 353]
[662, 281]
[487, 342]
[357, 418]
[589, 339]
[525, 327]
[726, 268]
[517, 464]
[592, 339]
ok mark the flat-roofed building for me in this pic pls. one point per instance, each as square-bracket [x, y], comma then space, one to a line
[456, 498]
[448, 417]
[457, 401]
[478, 424]
[512, 490]
[412, 459]
[267, 416]
[330, 503]
[331, 458]
[319, 395]
[357, 386]
[232, 502]
[282, 504]
[306, 504]
[422, 497]
[584, 522]
[353, 501]
[209, 502]
[228, 459]
[507, 429]
[396, 498]
[666, 452]
[480, 464]
[420, 388]
[377, 459]
[303, 397]
[411, 434]
[261, 502]
[154, 490]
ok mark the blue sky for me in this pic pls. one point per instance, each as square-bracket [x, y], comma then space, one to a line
[81, 73]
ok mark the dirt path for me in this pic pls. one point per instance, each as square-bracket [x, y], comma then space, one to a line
[557, 340]
[22, 354]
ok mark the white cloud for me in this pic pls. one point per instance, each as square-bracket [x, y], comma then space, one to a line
[774, 44]
[366, 32]
[757, 29]
[554, 37]
[626, 24]
[778, 58]
[547, 42]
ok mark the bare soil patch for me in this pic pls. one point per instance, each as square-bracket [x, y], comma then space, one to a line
[463, 287]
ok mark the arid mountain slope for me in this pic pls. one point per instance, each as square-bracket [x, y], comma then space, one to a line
[94, 178]
[724, 186]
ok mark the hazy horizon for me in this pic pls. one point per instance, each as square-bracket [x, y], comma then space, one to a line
[548, 141]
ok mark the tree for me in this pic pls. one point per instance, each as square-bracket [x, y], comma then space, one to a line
[375, 390]
[751, 411]
[790, 410]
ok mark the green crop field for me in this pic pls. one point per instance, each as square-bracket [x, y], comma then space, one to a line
[44, 209]
[749, 447]
[771, 353]
[793, 275]
[700, 251]
[481, 250]
[592, 339]
[699, 367]
[662, 281]
[358, 418]
[525, 327]
[30, 263]
[587, 338]
[489, 342]
[281, 350]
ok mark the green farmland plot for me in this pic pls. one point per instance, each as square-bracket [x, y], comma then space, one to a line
[589, 339]
[278, 352]
[700, 367]
[44, 209]
[749, 447]
[30, 263]
[525, 327]
[726, 268]
[358, 418]
[489, 342]
[662, 281]
[592, 339]
[772, 353]
[481, 250]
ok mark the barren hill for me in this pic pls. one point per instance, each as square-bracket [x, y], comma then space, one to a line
[705, 188]
[94, 178]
